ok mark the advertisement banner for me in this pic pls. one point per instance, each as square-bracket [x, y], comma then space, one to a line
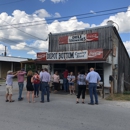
[41, 55]
[95, 54]
[78, 38]
[63, 40]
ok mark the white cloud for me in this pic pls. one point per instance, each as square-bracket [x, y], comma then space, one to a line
[127, 45]
[42, 0]
[20, 46]
[57, 15]
[2, 49]
[91, 11]
[42, 13]
[122, 20]
[31, 52]
[57, 1]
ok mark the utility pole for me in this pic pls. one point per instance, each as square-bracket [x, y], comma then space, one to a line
[5, 52]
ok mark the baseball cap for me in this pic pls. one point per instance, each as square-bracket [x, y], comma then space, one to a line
[10, 71]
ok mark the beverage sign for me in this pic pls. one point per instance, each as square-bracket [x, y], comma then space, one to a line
[95, 54]
[78, 38]
[92, 37]
[41, 55]
[70, 55]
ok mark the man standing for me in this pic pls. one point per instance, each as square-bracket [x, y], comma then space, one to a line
[45, 79]
[20, 76]
[9, 86]
[65, 81]
[93, 78]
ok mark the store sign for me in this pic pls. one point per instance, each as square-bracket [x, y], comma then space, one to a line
[70, 55]
[95, 54]
[78, 38]
[41, 55]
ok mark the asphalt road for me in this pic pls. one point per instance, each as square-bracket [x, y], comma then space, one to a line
[62, 113]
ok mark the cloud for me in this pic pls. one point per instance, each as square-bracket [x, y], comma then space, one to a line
[57, 1]
[42, 13]
[121, 20]
[57, 15]
[91, 11]
[2, 49]
[20, 46]
[42, 0]
[127, 45]
[31, 52]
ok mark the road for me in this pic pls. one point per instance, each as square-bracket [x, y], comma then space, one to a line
[62, 113]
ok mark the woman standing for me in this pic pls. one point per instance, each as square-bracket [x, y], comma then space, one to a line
[30, 89]
[81, 86]
[36, 81]
[56, 80]
[71, 80]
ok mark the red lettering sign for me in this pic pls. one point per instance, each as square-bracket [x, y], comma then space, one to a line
[92, 37]
[63, 40]
[41, 55]
[95, 54]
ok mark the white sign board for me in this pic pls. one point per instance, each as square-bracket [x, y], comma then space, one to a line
[70, 55]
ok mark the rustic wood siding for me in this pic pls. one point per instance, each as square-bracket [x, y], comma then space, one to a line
[103, 42]
[123, 66]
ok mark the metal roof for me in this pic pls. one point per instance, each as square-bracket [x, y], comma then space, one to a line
[12, 59]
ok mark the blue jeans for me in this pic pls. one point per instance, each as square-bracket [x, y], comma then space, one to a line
[93, 91]
[21, 85]
[45, 88]
[36, 89]
[65, 83]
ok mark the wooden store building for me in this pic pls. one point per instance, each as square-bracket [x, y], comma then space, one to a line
[99, 47]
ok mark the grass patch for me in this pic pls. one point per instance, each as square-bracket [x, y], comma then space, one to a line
[114, 97]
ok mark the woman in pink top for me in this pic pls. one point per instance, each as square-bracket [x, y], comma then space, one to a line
[56, 80]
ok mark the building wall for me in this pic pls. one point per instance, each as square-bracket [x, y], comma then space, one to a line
[5, 66]
[121, 71]
[104, 41]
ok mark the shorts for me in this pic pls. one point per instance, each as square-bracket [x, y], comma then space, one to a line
[71, 84]
[9, 89]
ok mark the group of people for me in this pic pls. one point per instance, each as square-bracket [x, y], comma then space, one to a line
[92, 79]
[34, 82]
[41, 80]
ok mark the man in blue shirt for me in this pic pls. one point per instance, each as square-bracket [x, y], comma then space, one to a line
[93, 78]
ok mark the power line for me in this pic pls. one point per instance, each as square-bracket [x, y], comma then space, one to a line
[65, 20]
[24, 31]
[17, 43]
[68, 16]
[7, 3]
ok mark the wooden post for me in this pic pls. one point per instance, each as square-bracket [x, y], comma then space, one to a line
[111, 87]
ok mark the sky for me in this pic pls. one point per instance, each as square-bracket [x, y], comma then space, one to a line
[25, 24]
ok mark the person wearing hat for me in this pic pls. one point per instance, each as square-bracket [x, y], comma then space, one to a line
[20, 76]
[9, 85]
